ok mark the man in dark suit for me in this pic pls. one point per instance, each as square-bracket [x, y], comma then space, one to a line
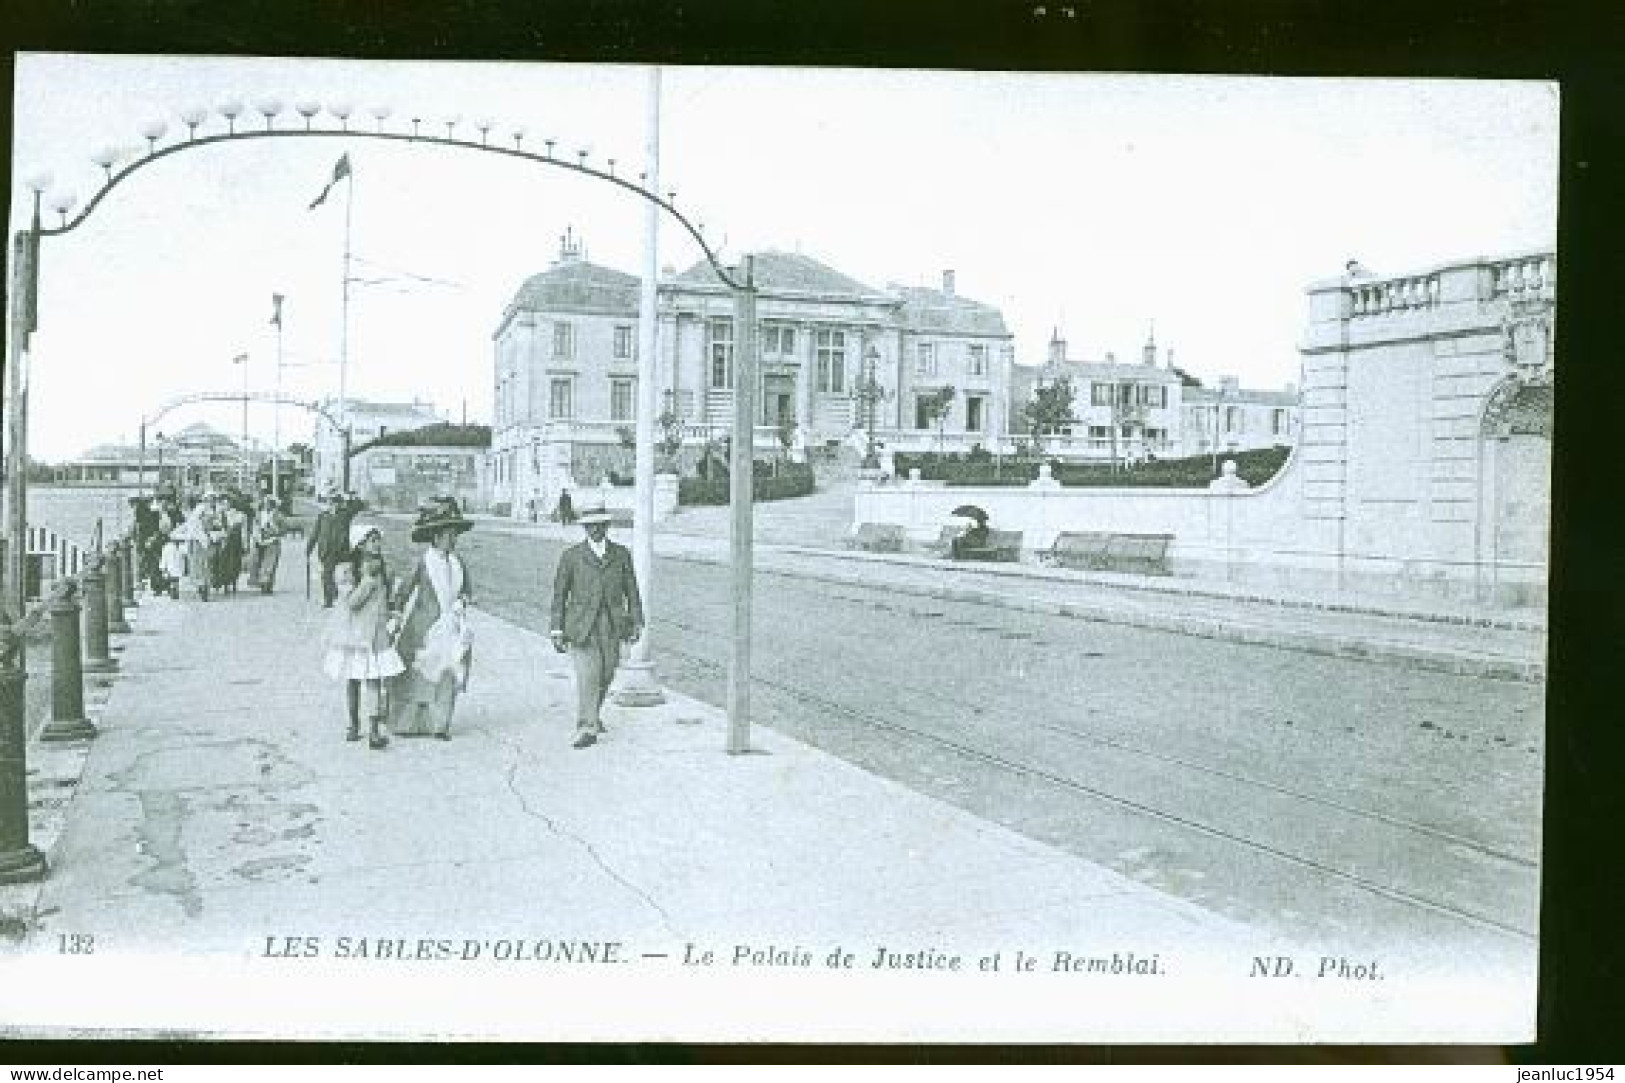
[596, 608]
[330, 539]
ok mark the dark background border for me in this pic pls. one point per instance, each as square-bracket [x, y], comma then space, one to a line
[1582, 970]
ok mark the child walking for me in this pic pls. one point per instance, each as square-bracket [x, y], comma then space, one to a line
[358, 636]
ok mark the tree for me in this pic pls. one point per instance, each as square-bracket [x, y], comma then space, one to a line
[670, 440]
[786, 433]
[1050, 409]
[934, 409]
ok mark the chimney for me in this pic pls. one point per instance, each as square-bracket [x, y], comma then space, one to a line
[569, 247]
[1149, 353]
[1057, 348]
[948, 283]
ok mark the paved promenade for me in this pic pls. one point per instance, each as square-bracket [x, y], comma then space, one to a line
[221, 806]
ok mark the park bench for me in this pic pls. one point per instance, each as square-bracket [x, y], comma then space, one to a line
[878, 538]
[1002, 545]
[1101, 551]
[944, 543]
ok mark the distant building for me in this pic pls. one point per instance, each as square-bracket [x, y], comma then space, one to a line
[1229, 417]
[1128, 411]
[401, 475]
[837, 358]
[197, 457]
[368, 421]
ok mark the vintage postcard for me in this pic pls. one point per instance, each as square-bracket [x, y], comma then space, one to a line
[578, 552]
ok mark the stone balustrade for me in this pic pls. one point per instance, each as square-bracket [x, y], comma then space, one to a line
[1527, 276]
[1376, 298]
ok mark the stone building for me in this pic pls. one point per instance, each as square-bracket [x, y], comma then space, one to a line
[1229, 417]
[840, 361]
[368, 421]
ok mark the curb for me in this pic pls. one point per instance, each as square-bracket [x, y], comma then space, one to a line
[1331, 644]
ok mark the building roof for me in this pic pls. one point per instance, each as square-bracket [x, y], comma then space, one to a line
[576, 285]
[1239, 397]
[786, 272]
[944, 313]
[1100, 370]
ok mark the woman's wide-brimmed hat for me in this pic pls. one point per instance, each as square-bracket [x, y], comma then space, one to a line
[594, 514]
[440, 514]
[360, 532]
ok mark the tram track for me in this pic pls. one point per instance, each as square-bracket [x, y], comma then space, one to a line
[1057, 781]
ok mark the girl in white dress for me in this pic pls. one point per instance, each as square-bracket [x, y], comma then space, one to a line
[359, 651]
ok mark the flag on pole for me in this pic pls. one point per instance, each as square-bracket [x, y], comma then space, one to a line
[341, 170]
[276, 310]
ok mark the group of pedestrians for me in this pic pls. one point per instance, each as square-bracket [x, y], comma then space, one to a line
[402, 645]
[209, 541]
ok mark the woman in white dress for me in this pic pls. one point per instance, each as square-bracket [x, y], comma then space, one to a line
[434, 641]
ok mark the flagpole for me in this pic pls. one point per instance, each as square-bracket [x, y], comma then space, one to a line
[344, 334]
[276, 408]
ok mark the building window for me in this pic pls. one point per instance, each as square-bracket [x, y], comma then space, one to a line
[564, 340]
[831, 361]
[620, 400]
[1100, 394]
[1155, 396]
[719, 349]
[560, 401]
[978, 360]
[1279, 424]
[778, 339]
[1100, 432]
[1232, 419]
[623, 341]
[973, 412]
[922, 412]
[925, 360]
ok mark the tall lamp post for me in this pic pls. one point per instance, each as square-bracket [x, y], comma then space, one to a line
[870, 393]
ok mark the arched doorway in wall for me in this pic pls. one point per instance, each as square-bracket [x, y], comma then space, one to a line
[1515, 493]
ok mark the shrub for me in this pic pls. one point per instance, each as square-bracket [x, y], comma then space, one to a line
[1255, 467]
[793, 479]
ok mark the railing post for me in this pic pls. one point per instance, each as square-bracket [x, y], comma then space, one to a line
[116, 621]
[68, 721]
[20, 861]
[115, 590]
[97, 660]
[129, 570]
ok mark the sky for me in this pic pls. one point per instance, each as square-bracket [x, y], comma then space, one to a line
[1100, 206]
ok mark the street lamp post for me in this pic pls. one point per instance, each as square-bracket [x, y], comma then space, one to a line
[870, 393]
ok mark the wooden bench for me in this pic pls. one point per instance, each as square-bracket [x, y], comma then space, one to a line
[1146, 554]
[944, 544]
[1002, 545]
[878, 538]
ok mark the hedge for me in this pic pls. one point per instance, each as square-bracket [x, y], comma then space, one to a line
[793, 479]
[1255, 467]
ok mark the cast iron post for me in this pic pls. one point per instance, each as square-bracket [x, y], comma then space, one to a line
[19, 860]
[97, 660]
[68, 721]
